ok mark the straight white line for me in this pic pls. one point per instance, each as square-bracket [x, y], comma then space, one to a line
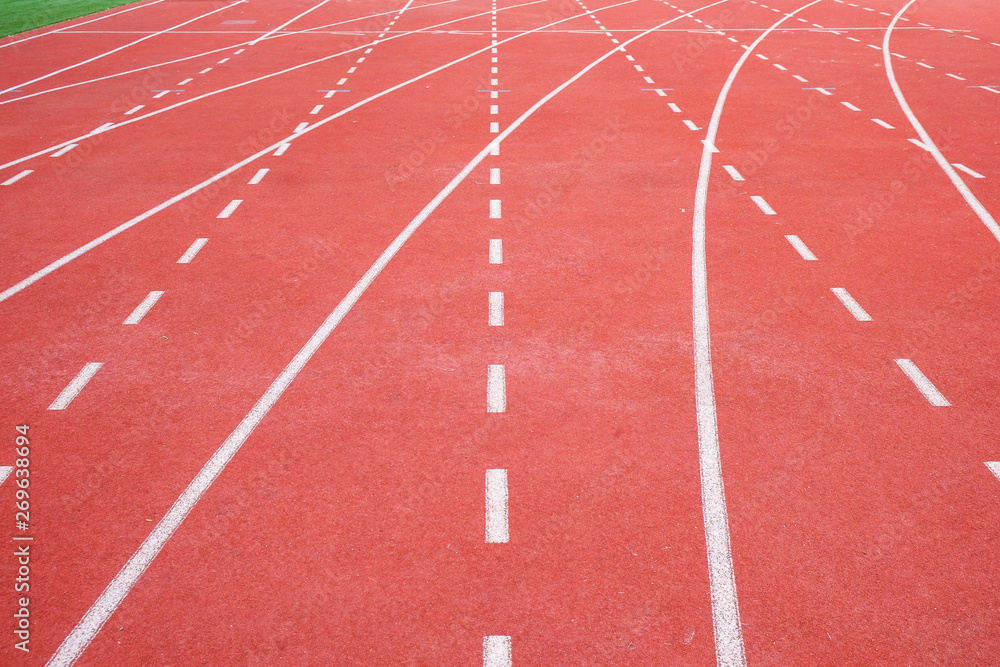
[824, 91]
[883, 123]
[674, 107]
[258, 177]
[638, 68]
[192, 251]
[762, 56]
[731, 170]
[75, 386]
[143, 308]
[495, 176]
[845, 298]
[282, 148]
[185, 82]
[494, 109]
[925, 386]
[496, 309]
[157, 96]
[205, 71]
[77, 25]
[919, 144]
[764, 206]
[494, 208]
[971, 37]
[994, 467]
[496, 251]
[800, 78]
[690, 125]
[497, 651]
[132, 110]
[801, 247]
[496, 389]
[955, 76]
[978, 208]
[287, 23]
[494, 128]
[970, 172]
[316, 109]
[65, 150]
[230, 207]
[352, 70]
[15, 179]
[497, 528]
[648, 80]
[850, 106]
[300, 127]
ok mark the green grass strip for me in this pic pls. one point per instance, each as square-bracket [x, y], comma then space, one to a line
[23, 15]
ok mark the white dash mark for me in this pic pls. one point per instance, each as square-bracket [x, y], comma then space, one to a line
[367, 51]
[850, 106]
[496, 389]
[494, 208]
[854, 39]
[800, 78]
[970, 172]
[494, 149]
[899, 55]
[731, 170]
[764, 206]
[494, 109]
[496, 251]
[161, 94]
[352, 70]
[971, 37]
[230, 207]
[955, 76]
[75, 387]
[690, 125]
[994, 467]
[762, 56]
[360, 60]
[648, 80]
[205, 71]
[63, 151]
[872, 46]
[342, 81]
[494, 128]
[674, 107]
[185, 82]
[801, 247]
[143, 308]
[14, 179]
[918, 144]
[282, 148]
[222, 61]
[258, 177]
[300, 127]
[925, 386]
[134, 109]
[495, 176]
[497, 529]
[823, 91]
[884, 124]
[859, 313]
[192, 251]
[316, 109]
[494, 82]
[638, 68]
[102, 128]
[496, 309]
[496, 651]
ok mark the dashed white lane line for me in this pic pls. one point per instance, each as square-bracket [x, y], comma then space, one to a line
[674, 107]
[496, 651]
[143, 308]
[496, 251]
[854, 39]
[205, 71]
[845, 298]
[731, 170]
[161, 94]
[691, 125]
[925, 386]
[994, 467]
[192, 251]
[638, 68]
[919, 144]
[800, 78]
[316, 109]
[495, 176]
[873, 46]
[494, 109]
[648, 80]
[764, 206]
[281, 149]
[971, 37]
[352, 70]
[185, 82]
[63, 151]
[230, 207]
[801, 247]
[496, 309]
[134, 109]
[14, 179]
[494, 128]
[300, 127]
[497, 527]
[955, 76]
[342, 81]
[222, 61]
[75, 386]
[850, 106]
[884, 124]
[762, 56]
[823, 91]
[970, 172]
[496, 389]
[258, 177]
[494, 208]
[781, 67]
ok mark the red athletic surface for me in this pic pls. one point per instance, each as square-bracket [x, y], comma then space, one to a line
[349, 529]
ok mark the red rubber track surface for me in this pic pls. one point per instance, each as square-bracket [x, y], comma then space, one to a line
[349, 529]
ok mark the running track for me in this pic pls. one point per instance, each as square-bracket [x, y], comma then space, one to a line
[522, 333]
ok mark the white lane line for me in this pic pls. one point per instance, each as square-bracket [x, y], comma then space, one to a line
[258, 177]
[497, 528]
[850, 106]
[883, 123]
[75, 386]
[360, 60]
[971, 37]
[845, 298]
[192, 251]
[674, 107]
[494, 109]
[352, 70]
[316, 109]
[282, 148]
[496, 389]
[762, 56]
[14, 179]
[496, 651]
[919, 144]
[800, 78]
[342, 81]
[143, 308]
[899, 55]
[970, 172]
[494, 128]
[300, 127]
[764, 206]
[731, 170]
[288, 22]
[230, 207]
[63, 151]
[691, 125]
[955, 76]
[873, 46]
[495, 176]
[638, 68]
[77, 25]
[205, 71]
[159, 95]
[925, 386]
[977, 207]
[496, 251]
[133, 110]
[496, 309]
[994, 467]
[824, 91]
[185, 82]
[801, 247]
[494, 208]
[854, 39]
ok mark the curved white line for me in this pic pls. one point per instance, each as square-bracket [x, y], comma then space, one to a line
[77, 25]
[953, 176]
[729, 651]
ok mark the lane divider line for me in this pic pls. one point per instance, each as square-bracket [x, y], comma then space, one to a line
[925, 386]
[192, 251]
[497, 527]
[75, 386]
[853, 306]
[801, 247]
[143, 308]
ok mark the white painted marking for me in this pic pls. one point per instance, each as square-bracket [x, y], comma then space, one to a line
[970, 172]
[494, 94]
[629, 58]
[919, 144]
[648, 80]
[143, 308]
[638, 68]
[496, 309]
[367, 51]
[192, 251]
[925, 386]
[690, 125]
[14, 179]
[281, 149]
[236, 53]
[994, 467]
[205, 71]
[496, 389]
[733, 40]
[342, 81]
[329, 94]
[288, 22]
[859, 313]
[75, 387]
[800, 78]
[496, 651]
[6, 470]
[63, 151]
[230, 207]
[360, 60]
[300, 127]
[494, 128]
[731, 170]
[494, 82]
[822, 90]
[494, 208]
[899, 55]
[222, 61]
[497, 528]
[883, 123]
[674, 107]
[854, 39]
[496, 251]
[494, 109]
[764, 206]
[258, 177]
[801, 247]
[762, 56]
[850, 106]
[134, 109]
[185, 82]
[495, 176]
[316, 109]
[955, 76]
[971, 37]
[494, 70]
[352, 70]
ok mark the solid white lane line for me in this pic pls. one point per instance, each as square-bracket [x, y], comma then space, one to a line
[845, 298]
[14, 179]
[731, 170]
[494, 208]
[801, 247]
[132, 111]
[192, 251]
[496, 389]
[764, 206]
[883, 123]
[497, 528]
[496, 309]
[496, 651]
[258, 177]
[65, 150]
[67, 395]
[690, 125]
[282, 148]
[850, 106]
[994, 467]
[77, 25]
[963, 189]
[300, 127]
[316, 109]
[674, 107]
[230, 207]
[495, 176]
[288, 22]
[925, 386]
[143, 308]
[970, 172]
[496, 251]
[955, 76]
[185, 82]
